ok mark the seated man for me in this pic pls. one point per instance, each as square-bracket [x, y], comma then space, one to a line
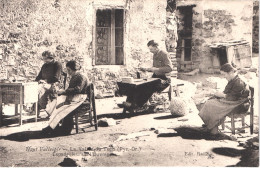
[234, 96]
[72, 97]
[161, 65]
[48, 79]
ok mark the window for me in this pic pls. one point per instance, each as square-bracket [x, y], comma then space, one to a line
[109, 38]
[184, 43]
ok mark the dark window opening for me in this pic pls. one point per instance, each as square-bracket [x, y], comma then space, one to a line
[109, 37]
[184, 44]
[187, 16]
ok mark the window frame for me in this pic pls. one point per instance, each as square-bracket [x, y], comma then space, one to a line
[112, 38]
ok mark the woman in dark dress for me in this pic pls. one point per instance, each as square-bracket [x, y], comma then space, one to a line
[235, 95]
[72, 97]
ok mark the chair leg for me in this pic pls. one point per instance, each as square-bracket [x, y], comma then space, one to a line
[252, 121]
[232, 124]
[94, 114]
[76, 122]
[243, 122]
[90, 117]
[170, 93]
[223, 126]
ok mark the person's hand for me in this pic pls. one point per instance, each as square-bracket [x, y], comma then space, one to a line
[42, 82]
[219, 94]
[143, 69]
[61, 91]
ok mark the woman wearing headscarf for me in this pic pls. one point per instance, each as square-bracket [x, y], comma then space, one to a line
[232, 99]
[72, 97]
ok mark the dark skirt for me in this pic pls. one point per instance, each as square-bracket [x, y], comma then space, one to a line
[214, 111]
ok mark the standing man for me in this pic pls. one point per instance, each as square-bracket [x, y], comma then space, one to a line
[48, 79]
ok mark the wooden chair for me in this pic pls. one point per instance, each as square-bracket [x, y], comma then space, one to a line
[88, 106]
[175, 89]
[234, 116]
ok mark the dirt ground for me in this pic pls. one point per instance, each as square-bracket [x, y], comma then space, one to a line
[151, 139]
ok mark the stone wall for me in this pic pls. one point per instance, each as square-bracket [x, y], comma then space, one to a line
[29, 27]
[256, 27]
[216, 21]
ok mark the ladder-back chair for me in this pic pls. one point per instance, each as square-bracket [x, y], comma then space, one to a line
[234, 116]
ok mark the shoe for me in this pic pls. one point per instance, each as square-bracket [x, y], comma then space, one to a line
[120, 105]
[47, 131]
[127, 105]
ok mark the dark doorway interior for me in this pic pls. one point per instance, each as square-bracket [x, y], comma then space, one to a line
[222, 56]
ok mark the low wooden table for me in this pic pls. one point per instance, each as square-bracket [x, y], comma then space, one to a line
[135, 88]
[19, 94]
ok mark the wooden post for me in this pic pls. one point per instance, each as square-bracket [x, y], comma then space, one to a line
[21, 104]
[16, 109]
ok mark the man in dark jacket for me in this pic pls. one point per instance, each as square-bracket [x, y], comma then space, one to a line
[48, 79]
[161, 66]
[161, 61]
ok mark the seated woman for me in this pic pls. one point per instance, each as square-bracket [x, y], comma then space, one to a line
[236, 93]
[72, 97]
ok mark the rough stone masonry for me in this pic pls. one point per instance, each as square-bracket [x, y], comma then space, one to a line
[29, 27]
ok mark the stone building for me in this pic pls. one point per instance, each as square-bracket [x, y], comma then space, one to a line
[205, 22]
[256, 27]
[107, 37]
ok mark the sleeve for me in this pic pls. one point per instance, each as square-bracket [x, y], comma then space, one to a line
[76, 86]
[237, 90]
[238, 87]
[57, 72]
[228, 88]
[167, 64]
[39, 77]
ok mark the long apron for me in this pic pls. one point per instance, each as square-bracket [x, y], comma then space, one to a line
[64, 107]
[214, 111]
